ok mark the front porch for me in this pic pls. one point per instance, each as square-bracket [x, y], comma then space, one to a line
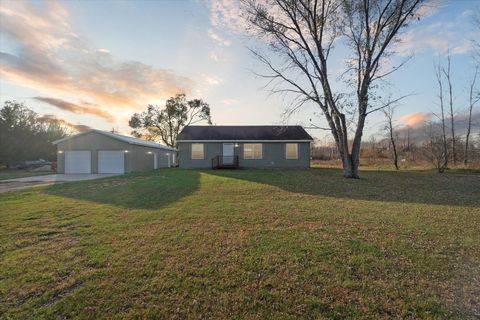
[225, 162]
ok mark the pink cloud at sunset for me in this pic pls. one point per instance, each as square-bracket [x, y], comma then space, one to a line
[415, 119]
[50, 57]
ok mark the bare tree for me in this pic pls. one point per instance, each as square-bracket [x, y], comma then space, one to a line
[303, 33]
[448, 75]
[474, 97]
[434, 147]
[438, 73]
[389, 127]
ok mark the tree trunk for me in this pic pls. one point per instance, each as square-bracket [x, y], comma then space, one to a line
[467, 137]
[350, 168]
[394, 151]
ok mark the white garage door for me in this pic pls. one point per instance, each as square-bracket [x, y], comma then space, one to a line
[77, 162]
[111, 161]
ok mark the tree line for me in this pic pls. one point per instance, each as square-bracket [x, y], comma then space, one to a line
[24, 135]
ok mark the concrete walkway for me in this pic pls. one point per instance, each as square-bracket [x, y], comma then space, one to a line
[26, 182]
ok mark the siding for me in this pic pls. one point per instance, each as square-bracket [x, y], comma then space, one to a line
[273, 156]
[137, 158]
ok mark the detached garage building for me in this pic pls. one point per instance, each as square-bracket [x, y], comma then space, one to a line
[98, 151]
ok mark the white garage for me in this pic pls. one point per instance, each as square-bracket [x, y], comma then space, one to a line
[111, 161]
[78, 162]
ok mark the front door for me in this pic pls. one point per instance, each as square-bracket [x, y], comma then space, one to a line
[228, 153]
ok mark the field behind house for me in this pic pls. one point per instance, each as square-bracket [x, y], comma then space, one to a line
[254, 244]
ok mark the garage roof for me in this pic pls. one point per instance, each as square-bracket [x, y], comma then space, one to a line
[127, 139]
[244, 133]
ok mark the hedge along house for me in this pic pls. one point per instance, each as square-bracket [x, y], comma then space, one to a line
[244, 146]
[98, 151]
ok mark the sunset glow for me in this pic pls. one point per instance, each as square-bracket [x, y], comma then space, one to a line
[95, 63]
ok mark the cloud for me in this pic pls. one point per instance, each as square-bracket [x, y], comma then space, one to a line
[226, 13]
[430, 8]
[49, 56]
[417, 125]
[415, 119]
[230, 101]
[49, 118]
[86, 108]
[218, 39]
[214, 56]
[438, 37]
[211, 80]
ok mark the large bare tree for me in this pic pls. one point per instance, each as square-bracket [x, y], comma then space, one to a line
[301, 36]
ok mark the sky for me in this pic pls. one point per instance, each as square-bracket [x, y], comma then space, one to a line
[95, 63]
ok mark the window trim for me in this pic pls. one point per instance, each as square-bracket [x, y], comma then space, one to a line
[253, 151]
[296, 151]
[203, 152]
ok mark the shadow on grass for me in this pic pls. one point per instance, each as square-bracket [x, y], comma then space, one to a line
[404, 186]
[149, 190]
[153, 190]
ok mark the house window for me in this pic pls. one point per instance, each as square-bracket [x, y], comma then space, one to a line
[252, 151]
[291, 150]
[197, 151]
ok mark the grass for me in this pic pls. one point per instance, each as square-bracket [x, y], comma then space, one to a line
[255, 244]
[6, 174]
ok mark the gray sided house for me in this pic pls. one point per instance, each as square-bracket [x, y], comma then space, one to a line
[244, 146]
[98, 151]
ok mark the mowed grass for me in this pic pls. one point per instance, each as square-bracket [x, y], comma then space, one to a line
[253, 244]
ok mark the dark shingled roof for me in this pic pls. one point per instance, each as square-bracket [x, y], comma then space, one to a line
[245, 133]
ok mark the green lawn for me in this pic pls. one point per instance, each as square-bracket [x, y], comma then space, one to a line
[255, 244]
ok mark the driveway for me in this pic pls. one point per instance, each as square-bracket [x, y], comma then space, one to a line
[22, 183]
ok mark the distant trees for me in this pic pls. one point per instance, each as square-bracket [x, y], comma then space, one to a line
[157, 123]
[24, 136]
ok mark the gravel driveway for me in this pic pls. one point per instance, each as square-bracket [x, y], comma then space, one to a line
[22, 183]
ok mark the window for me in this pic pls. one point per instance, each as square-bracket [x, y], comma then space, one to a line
[291, 150]
[197, 151]
[252, 151]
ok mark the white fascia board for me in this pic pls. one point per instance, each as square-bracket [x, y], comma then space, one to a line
[150, 146]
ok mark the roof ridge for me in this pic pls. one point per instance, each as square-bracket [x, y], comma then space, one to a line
[124, 138]
[247, 125]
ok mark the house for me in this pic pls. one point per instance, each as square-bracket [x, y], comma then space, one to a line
[244, 146]
[98, 151]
